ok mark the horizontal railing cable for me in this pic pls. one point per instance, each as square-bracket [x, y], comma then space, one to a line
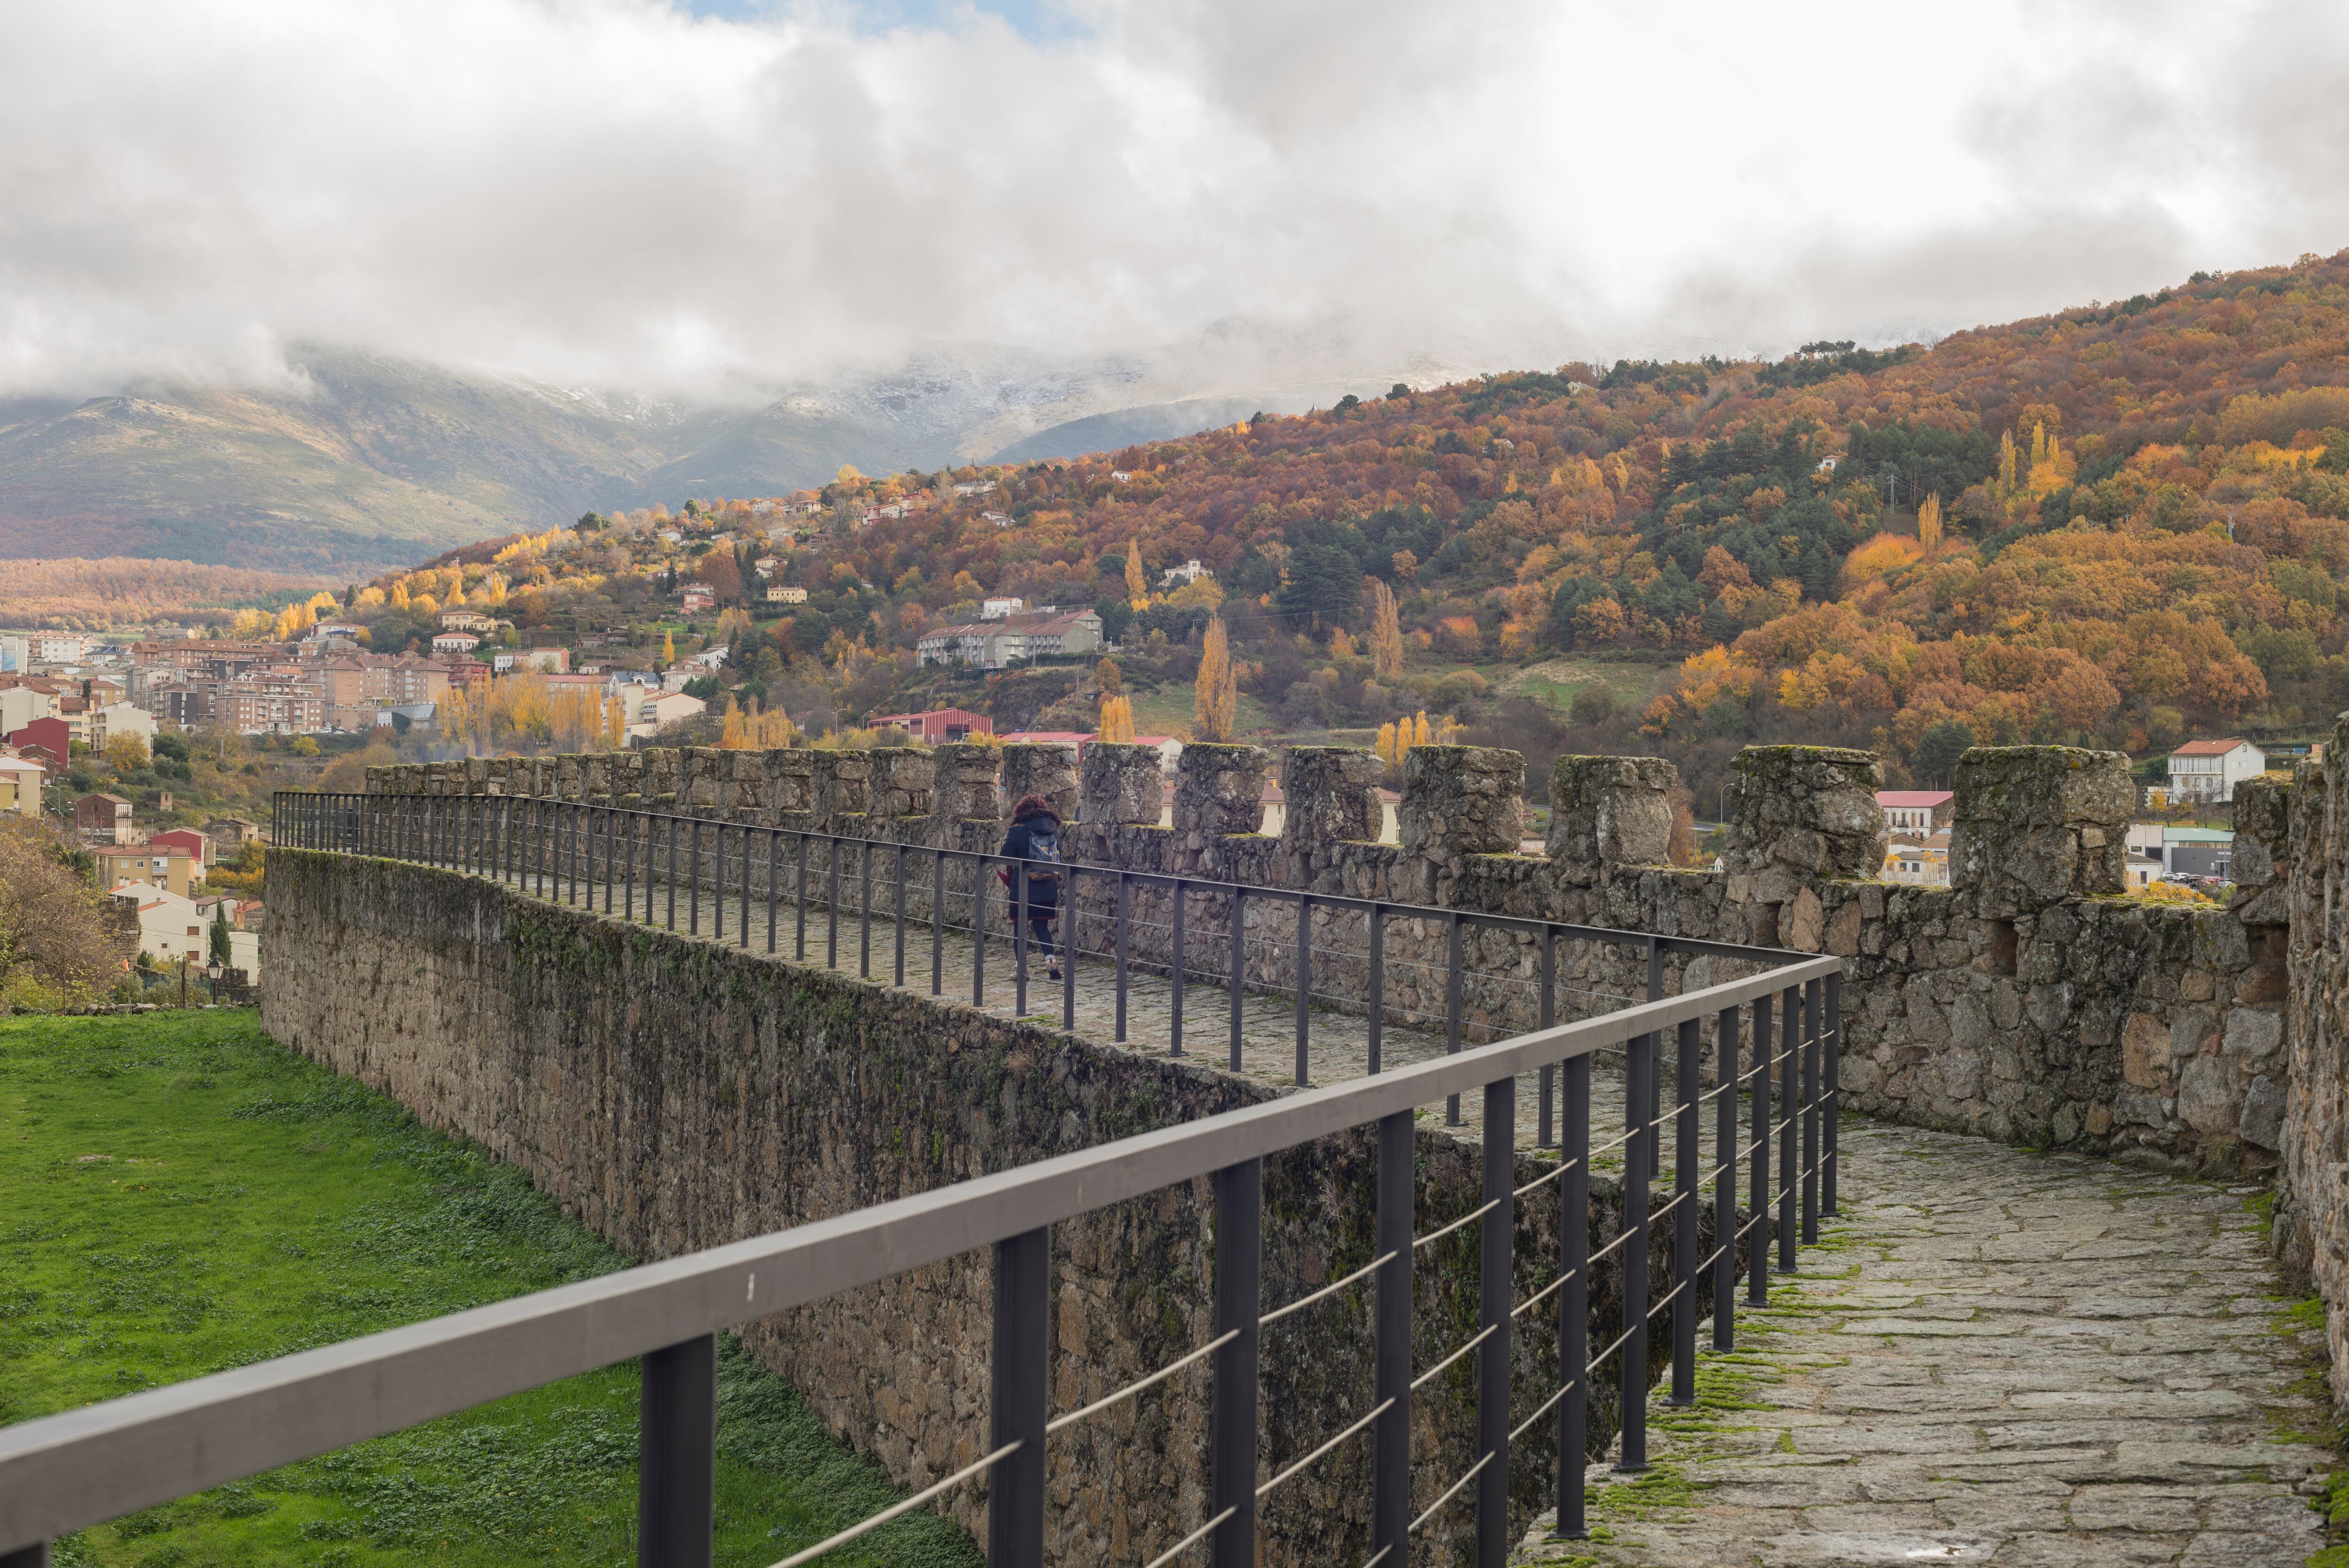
[1332, 1288]
[1382, 1406]
[1059, 1423]
[906, 1505]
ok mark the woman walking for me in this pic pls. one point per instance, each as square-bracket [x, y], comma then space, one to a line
[1035, 837]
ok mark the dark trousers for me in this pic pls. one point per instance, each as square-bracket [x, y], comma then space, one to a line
[1040, 932]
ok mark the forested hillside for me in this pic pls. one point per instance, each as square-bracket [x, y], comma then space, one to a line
[2118, 524]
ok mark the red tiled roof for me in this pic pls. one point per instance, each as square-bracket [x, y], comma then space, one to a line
[2208, 747]
[1913, 799]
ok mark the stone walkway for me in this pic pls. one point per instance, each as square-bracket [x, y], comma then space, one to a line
[1995, 1356]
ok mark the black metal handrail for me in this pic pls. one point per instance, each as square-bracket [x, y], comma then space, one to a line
[552, 847]
[67, 1472]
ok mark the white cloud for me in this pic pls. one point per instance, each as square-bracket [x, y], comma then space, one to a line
[613, 191]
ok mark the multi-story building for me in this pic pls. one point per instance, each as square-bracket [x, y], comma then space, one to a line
[2209, 769]
[158, 865]
[984, 645]
[1076, 632]
[21, 777]
[261, 704]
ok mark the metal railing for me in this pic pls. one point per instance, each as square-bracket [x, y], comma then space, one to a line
[633, 863]
[67, 1471]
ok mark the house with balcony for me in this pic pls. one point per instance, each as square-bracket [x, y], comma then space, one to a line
[2208, 770]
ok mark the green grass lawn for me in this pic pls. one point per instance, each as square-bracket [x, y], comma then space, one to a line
[179, 1194]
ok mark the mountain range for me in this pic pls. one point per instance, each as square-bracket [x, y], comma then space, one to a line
[362, 461]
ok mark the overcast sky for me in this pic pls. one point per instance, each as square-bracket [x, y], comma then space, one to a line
[632, 193]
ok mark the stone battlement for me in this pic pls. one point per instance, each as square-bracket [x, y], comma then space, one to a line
[2030, 1001]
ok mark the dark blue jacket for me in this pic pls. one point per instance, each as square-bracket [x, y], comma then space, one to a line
[1043, 886]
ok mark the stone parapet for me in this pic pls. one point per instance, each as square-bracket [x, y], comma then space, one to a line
[1122, 784]
[1218, 791]
[1328, 795]
[2261, 862]
[2034, 826]
[1799, 813]
[903, 779]
[1046, 770]
[1609, 811]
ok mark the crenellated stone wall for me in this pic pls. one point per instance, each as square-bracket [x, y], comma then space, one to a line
[2031, 1001]
[677, 1095]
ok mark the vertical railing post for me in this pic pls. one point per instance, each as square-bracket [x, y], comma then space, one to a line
[1574, 1300]
[831, 908]
[1639, 1063]
[1378, 982]
[1068, 939]
[978, 932]
[1304, 984]
[1391, 1347]
[1019, 938]
[743, 909]
[1546, 1124]
[1685, 1133]
[671, 879]
[1832, 1059]
[718, 883]
[864, 909]
[900, 971]
[1811, 1113]
[1175, 1027]
[799, 933]
[676, 1473]
[1453, 964]
[693, 882]
[774, 874]
[1239, 966]
[1724, 1182]
[1018, 1401]
[1655, 1102]
[1232, 1443]
[1124, 917]
[1495, 1297]
[938, 922]
[1757, 1257]
[1790, 1100]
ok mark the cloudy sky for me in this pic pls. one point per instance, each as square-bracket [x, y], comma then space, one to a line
[635, 193]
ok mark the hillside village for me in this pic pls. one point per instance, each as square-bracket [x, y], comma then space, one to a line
[2125, 525]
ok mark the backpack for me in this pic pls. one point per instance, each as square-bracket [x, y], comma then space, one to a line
[1043, 855]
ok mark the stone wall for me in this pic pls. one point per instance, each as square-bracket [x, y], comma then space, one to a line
[677, 1095]
[2032, 1001]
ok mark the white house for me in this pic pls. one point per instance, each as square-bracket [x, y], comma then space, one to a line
[121, 718]
[648, 708]
[973, 487]
[455, 643]
[1001, 519]
[778, 595]
[1000, 609]
[2209, 769]
[1915, 810]
[1190, 572]
[171, 926]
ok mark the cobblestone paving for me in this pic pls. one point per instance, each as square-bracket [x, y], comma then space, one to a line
[1994, 1357]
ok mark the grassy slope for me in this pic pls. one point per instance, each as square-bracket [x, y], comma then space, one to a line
[178, 1194]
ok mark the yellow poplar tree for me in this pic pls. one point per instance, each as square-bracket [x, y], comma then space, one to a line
[1214, 696]
[1116, 718]
[733, 735]
[1137, 591]
[1929, 523]
[1386, 631]
[1341, 646]
[668, 650]
[1384, 747]
[1420, 734]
